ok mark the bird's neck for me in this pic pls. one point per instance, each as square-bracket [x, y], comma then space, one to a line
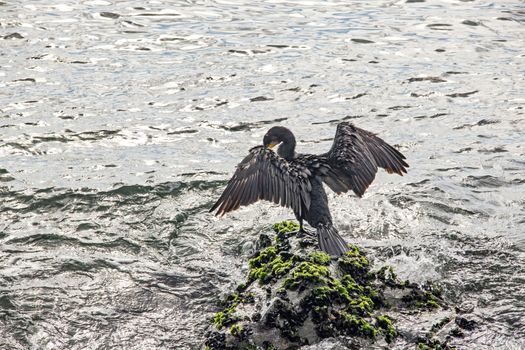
[287, 149]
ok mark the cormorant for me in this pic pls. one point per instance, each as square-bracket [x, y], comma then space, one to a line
[296, 180]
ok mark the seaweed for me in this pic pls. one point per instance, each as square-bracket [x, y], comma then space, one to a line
[296, 295]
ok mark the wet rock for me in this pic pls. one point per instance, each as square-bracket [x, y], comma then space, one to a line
[464, 323]
[295, 295]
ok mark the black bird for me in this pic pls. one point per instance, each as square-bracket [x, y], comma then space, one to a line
[296, 180]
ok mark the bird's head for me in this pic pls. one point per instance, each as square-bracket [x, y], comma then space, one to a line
[277, 135]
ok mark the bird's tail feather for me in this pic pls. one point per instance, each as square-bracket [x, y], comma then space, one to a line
[330, 241]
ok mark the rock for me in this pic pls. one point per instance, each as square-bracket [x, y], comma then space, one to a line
[295, 296]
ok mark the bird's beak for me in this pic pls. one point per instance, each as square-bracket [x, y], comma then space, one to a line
[272, 144]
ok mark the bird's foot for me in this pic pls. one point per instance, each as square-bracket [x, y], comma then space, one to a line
[305, 233]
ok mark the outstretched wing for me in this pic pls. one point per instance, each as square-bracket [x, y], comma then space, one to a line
[356, 154]
[265, 175]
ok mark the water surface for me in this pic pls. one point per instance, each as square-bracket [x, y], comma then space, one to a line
[121, 121]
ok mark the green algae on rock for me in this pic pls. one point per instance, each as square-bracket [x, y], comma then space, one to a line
[286, 226]
[296, 295]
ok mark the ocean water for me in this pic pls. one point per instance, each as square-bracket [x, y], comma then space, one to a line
[121, 121]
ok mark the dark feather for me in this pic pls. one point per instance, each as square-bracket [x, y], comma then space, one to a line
[264, 175]
[355, 156]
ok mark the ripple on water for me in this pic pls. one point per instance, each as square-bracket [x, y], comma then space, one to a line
[122, 121]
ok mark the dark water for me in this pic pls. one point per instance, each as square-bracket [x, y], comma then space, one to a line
[121, 121]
